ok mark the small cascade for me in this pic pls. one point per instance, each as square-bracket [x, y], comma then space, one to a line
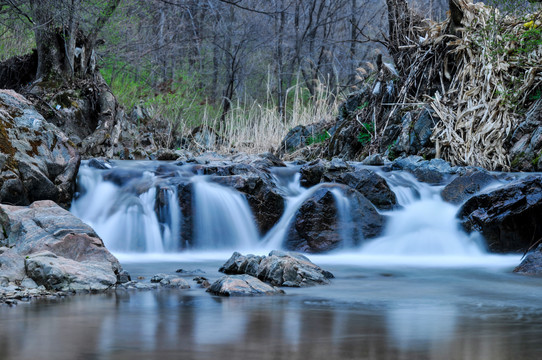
[426, 225]
[124, 210]
[344, 217]
[275, 238]
[124, 218]
[222, 218]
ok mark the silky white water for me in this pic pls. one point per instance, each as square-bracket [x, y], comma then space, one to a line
[423, 229]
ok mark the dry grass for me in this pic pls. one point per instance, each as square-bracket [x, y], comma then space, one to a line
[497, 70]
[253, 128]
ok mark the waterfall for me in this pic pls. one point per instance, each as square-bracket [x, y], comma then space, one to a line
[149, 207]
[222, 218]
[426, 224]
[344, 215]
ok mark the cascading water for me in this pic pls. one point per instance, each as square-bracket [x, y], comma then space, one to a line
[140, 209]
[135, 210]
[426, 225]
[123, 216]
[222, 218]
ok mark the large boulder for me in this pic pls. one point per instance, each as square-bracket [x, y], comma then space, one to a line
[242, 285]
[332, 215]
[509, 217]
[54, 248]
[466, 185]
[37, 161]
[279, 268]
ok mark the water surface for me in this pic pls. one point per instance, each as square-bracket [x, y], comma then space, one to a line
[391, 311]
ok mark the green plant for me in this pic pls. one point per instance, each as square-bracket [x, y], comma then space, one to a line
[363, 106]
[366, 134]
[318, 138]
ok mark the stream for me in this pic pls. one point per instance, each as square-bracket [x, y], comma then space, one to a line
[422, 290]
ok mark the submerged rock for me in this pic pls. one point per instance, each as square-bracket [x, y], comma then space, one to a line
[509, 217]
[242, 285]
[279, 268]
[55, 249]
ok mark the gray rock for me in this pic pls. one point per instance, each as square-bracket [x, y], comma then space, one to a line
[158, 277]
[372, 186]
[57, 250]
[242, 285]
[242, 264]
[59, 273]
[29, 284]
[373, 160]
[172, 281]
[433, 171]
[291, 269]
[123, 277]
[38, 161]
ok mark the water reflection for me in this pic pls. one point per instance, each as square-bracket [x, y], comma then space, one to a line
[404, 322]
[421, 326]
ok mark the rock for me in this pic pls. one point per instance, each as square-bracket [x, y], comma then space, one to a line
[242, 285]
[101, 164]
[291, 269]
[420, 136]
[531, 264]
[158, 277]
[29, 284]
[320, 227]
[372, 186]
[190, 272]
[167, 154]
[241, 264]
[311, 174]
[373, 160]
[202, 281]
[60, 273]
[58, 250]
[37, 160]
[509, 217]
[172, 281]
[466, 185]
[434, 171]
[123, 277]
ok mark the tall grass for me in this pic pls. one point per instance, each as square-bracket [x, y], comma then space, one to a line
[250, 126]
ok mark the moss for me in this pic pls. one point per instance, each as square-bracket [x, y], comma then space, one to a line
[517, 160]
[5, 145]
[35, 147]
[536, 159]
